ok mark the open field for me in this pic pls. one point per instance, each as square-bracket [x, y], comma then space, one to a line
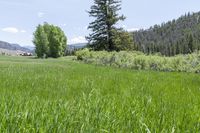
[66, 96]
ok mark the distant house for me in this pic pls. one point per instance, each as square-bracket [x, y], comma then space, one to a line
[26, 54]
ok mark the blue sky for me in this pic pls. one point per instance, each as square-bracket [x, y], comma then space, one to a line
[18, 18]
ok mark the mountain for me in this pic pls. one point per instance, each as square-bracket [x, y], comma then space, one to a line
[179, 36]
[32, 48]
[12, 49]
[76, 46]
[71, 48]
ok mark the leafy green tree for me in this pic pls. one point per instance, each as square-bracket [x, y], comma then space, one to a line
[57, 42]
[52, 39]
[41, 42]
[106, 17]
[122, 40]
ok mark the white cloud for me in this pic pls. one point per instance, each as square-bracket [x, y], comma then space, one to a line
[132, 29]
[10, 30]
[127, 28]
[22, 31]
[64, 25]
[124, 26]
[85, 27]
[40, 14]
[30, 36]
[79, 39]
[13, 30]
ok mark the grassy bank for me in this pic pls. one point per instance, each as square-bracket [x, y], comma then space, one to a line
[66, 96]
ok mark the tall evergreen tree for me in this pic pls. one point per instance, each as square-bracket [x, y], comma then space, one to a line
[190, 43]
[106, 17]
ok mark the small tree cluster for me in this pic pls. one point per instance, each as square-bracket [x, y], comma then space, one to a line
[122, 40]
[50, 41]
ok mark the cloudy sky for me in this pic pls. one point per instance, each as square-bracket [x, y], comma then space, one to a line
[18, 18]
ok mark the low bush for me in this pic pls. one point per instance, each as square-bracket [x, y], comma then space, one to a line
[139, 61]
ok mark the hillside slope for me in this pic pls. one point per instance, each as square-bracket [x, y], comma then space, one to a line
[180, 36]
[76, 46]
[9, 48]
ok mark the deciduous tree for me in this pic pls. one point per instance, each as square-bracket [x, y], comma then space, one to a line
[49, 40]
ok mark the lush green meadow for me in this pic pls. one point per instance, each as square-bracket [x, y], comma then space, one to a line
[62, 95]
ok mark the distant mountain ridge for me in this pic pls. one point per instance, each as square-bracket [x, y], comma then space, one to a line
[76, 46]
[14, 47]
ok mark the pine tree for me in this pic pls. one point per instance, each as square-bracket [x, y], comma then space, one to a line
[190, 43]
[106, 17]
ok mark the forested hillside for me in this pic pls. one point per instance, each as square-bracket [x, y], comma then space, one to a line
[181, 36]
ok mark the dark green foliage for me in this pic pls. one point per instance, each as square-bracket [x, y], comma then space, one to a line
[181, 36]
[122, 40]
[103, 27]
[50, 41]
[190, 43]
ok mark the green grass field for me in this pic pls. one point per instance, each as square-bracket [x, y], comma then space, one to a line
[67, 96]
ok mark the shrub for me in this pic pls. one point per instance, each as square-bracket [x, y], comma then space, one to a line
[139, 61]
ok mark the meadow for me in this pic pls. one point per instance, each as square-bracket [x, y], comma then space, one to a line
[63, 95]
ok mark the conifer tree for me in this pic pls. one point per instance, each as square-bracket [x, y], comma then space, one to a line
[190, 43]
[106, 17]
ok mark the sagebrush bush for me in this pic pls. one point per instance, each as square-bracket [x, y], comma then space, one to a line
[139, 61]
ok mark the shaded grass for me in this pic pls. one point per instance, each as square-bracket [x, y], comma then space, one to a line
[66, 96]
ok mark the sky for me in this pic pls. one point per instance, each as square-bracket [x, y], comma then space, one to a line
[19, 18]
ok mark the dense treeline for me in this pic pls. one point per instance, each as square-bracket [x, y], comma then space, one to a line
[181, 36]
